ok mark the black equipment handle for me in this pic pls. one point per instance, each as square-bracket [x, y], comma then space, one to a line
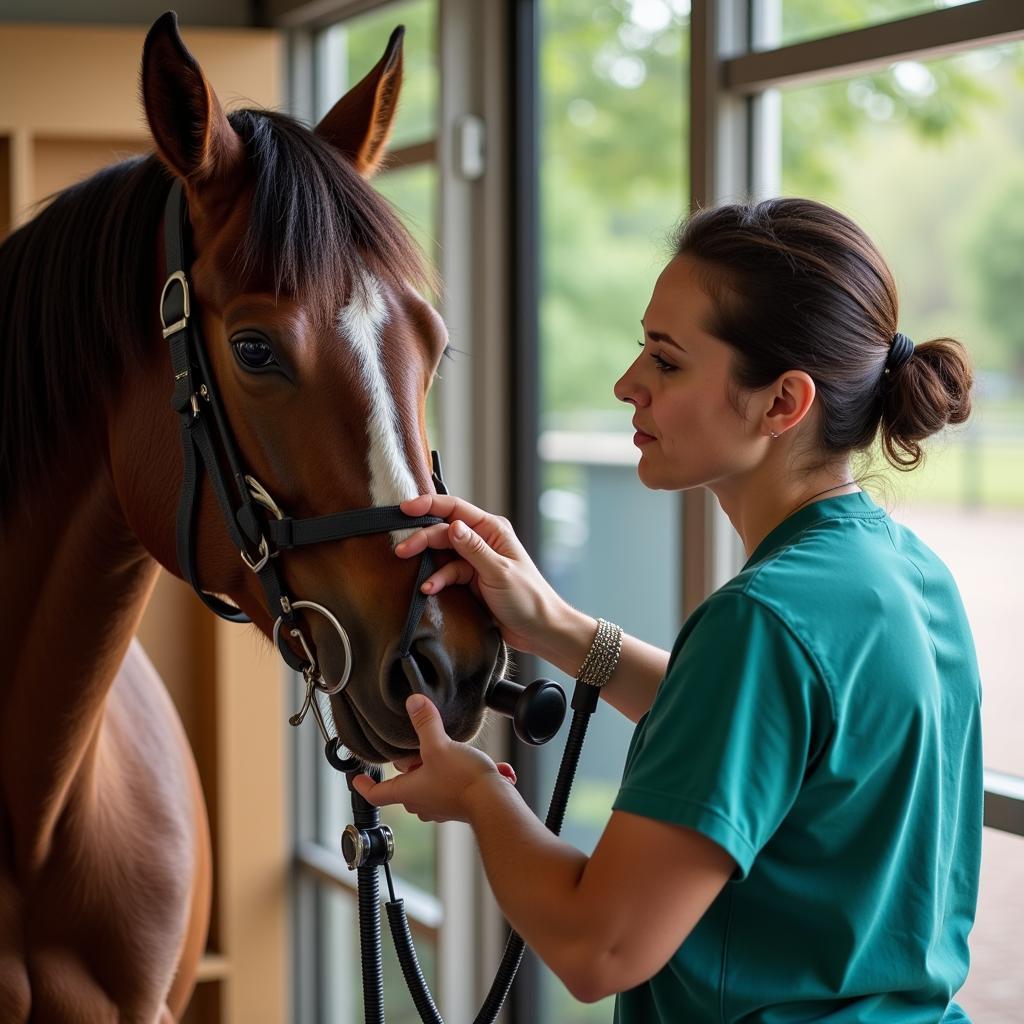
[537, 711]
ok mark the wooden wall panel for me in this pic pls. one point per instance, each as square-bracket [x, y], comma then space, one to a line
[60, 162]
[253, 856]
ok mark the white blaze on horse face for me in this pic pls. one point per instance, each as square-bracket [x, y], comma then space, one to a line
[391, 480]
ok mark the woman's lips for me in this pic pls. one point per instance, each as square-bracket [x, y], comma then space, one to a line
[640, 438]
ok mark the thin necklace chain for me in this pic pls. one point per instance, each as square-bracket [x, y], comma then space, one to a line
[835, 487]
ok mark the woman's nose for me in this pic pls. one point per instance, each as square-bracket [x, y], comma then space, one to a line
[626, 390]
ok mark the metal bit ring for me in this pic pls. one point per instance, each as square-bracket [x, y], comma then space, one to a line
[318, 679]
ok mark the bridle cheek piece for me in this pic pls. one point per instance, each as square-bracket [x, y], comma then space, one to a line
[257, 525]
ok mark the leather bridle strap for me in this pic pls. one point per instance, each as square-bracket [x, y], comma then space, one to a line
[206, 440]
[191, 392]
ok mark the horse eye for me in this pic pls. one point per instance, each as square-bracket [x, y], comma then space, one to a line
[253, 352]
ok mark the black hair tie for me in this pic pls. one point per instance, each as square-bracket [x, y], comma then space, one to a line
[900, 350]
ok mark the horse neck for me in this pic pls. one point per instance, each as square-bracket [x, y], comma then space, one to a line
[76, 581]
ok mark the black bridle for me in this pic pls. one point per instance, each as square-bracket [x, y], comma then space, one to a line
[257, 526]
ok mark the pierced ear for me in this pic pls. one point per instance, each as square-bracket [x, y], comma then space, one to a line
[193, 137]
[359, 124]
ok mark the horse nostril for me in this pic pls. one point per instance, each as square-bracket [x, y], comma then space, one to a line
[426, 675]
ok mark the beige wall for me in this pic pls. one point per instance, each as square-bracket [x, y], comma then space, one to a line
[194, 13]
[79, 88]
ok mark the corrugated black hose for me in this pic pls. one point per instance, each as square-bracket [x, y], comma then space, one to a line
[584, 702]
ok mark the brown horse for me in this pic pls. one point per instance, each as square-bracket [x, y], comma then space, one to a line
[322, 352]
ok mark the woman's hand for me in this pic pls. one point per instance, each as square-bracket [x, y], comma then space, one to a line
[440, 784]
[489, 559]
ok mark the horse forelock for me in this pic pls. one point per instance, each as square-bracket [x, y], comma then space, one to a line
[314, 223]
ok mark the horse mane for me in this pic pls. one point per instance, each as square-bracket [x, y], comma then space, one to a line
[77, 283]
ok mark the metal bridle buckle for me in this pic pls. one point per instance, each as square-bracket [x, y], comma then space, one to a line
[315, 678]
[169, 329]
[264, 556]
[262, 497]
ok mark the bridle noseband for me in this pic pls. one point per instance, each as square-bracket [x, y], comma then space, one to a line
[257, 526]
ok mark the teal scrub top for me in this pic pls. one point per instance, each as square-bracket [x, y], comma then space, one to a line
[820, 721]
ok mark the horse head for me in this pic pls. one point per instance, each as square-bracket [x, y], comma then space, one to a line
[322, 352]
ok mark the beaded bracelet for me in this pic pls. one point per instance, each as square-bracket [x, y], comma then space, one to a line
[603, 655]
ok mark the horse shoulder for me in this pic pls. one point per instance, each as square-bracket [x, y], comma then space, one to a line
[143, 724]
[127, 896]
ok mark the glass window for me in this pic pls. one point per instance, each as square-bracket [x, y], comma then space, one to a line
[612, 184]
[900, 151]
[348, 50]
[413, 192]
[799, 20]
[341, 997]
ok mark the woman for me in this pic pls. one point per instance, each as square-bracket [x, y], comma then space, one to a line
[797, 833]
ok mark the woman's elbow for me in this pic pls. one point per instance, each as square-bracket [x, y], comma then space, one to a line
[596, 976]
[587, 987]
[590, 979]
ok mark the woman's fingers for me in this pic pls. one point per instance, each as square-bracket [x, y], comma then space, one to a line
[491, 532]
[477, 559]
[428, 536]
[447, 506]
[457, 571]
[493, 528]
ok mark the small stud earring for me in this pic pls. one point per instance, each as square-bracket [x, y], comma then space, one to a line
[774, 436]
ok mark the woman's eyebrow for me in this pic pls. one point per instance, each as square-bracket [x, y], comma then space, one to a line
[662, 336]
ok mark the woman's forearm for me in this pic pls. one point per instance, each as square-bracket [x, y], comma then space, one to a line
[567, 637]
[542, 900]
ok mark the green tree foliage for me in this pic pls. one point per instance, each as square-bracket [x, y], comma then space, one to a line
[367, 35]
[996, 252]
[930, 101]
[613, 88]
[808, 19]
[614, 133]
[614, 80]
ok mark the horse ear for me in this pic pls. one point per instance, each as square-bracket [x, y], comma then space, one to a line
[192, 135]
[359, 124]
